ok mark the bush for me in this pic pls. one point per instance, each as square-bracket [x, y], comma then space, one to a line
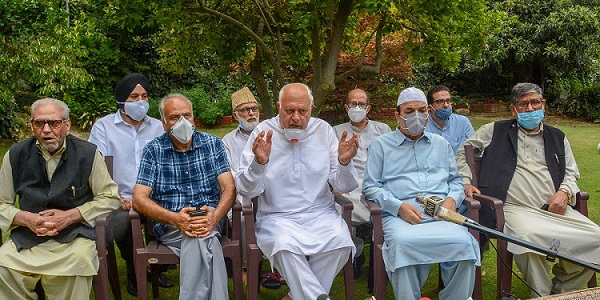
[8, 121]
[86, 113]
[210, 107]
[581, 102]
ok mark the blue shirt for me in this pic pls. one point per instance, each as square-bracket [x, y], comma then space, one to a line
[456, 130]
[183, 179]
[398, 169]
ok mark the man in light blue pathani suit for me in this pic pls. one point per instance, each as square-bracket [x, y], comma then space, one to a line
[401, 164]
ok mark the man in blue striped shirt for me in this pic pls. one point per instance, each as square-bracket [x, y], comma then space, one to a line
[181, 172]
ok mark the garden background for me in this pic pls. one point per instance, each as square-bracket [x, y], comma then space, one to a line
[76, 51]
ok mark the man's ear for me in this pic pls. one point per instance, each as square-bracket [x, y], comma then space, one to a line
[513, 111]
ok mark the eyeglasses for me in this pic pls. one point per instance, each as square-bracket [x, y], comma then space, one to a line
[54, 124]
[535, 103]
[245, 110]
[359, 104]
[442, 101]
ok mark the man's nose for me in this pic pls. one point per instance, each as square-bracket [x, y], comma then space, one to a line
[46, 127]
[296, 116]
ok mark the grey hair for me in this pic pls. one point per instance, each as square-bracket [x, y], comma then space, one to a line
[161, 105]
[310, 95]
[523, 88]
[51, 101]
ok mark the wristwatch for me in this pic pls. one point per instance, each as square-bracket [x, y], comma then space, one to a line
[564, 190]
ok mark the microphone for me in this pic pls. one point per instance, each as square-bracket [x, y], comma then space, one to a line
[432, 206]
[323, 297]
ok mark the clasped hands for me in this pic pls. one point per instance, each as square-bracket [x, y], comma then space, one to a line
[261, 147]
[51, 221]
[197, 226]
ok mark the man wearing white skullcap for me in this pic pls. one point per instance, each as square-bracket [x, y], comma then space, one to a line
[418, 162]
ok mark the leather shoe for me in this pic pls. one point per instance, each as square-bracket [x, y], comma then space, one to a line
[164, 281]
[132, 288]
[358, 262]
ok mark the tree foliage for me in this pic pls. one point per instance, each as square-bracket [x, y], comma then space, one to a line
[278, 40]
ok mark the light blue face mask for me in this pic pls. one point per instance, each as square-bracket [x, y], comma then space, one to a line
[531, 119]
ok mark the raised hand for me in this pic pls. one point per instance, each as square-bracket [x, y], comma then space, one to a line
[262, 148]
[347, 149]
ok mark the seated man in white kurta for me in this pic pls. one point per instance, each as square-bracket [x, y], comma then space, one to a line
[401, 164]
[291, 162]
[527, 164]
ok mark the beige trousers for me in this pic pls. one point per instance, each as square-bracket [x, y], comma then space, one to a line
[19, 285]
[568, 277]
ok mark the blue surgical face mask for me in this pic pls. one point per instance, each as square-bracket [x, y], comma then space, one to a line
[531, 119]
[443, 113]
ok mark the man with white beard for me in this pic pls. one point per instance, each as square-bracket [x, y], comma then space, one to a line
[245, 111]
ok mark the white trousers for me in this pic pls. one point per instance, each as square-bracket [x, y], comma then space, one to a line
[312, 276]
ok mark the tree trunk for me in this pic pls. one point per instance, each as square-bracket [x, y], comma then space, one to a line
[258, 76]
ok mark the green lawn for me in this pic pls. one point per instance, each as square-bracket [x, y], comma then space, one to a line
[584, 138]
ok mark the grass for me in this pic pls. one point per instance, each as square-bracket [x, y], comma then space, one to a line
[584, 138]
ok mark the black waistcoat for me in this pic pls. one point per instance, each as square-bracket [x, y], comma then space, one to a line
[500, 160]
[68, 189]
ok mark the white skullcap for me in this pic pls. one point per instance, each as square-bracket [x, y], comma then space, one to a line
[411, 94]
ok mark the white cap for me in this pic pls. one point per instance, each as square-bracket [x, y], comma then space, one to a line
[411, 94]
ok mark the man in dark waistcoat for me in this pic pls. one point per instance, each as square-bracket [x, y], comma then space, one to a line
[530, 166]
[62, 185]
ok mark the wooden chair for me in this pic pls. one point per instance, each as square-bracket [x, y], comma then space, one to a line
[112, 271]
[153, 254]
[504, 278]
[254, 255]
[377, 282]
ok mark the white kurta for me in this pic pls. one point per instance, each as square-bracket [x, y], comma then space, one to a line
[296, 206]
[360, 213]
[530, 188]
[234, 142]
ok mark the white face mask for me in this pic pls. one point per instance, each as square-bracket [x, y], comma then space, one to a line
[182, 130]
[244, 124]
[357, 114]
[294, 134]
[136, 110]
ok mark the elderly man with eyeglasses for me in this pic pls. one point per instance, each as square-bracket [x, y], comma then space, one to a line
[528, 164]
[454, 128]
[62, 185]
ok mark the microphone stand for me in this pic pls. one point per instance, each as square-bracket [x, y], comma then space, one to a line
[432, 206]
[550, 253]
